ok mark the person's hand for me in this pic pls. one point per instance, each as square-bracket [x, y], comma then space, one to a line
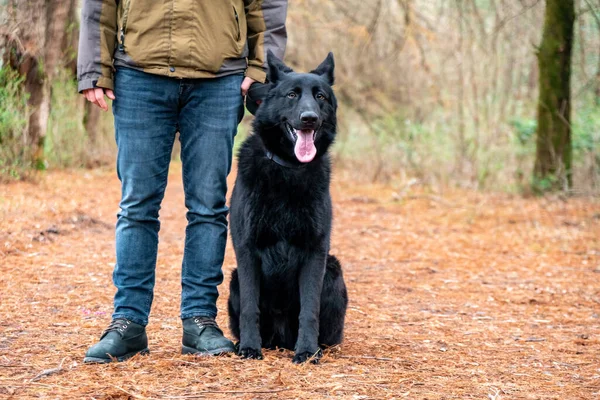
[96, 96]
[246, 85]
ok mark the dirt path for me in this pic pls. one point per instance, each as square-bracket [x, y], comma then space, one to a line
[457, 296]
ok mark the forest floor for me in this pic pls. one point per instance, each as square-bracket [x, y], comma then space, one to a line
[453, 295]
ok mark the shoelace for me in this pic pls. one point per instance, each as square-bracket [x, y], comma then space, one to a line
[205, 321]
[118, 325]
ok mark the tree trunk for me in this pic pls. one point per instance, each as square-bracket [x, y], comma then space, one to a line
[554, 150]
[38, 28]
[57, 18]
[91, 113]
[27, 20]
[91, 119]
[71, 39]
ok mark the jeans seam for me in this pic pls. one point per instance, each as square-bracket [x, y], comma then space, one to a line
[131, 318]
[149, 299]
[210, 314]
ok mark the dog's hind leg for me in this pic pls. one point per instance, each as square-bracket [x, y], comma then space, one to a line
[334, 301]
[233, 305]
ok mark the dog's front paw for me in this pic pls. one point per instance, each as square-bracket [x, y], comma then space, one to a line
[312, 356]
[250, 353]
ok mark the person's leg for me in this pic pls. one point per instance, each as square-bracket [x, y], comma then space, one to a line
[211, 111]
[145, 110]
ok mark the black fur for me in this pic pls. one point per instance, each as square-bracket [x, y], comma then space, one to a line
[288, 291]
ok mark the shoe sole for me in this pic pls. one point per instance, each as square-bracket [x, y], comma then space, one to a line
[98, 360]
[215, 352]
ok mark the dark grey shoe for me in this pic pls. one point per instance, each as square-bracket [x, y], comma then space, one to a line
[121, 340]
[202, 336]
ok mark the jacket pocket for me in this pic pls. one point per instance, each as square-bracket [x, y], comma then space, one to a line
[237, 24]
[240, 27]
[123, 30]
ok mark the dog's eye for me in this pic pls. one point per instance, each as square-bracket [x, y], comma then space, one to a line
[320, 96]
[292, 95]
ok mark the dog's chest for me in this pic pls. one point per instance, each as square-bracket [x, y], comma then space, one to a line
[295, 218]
[280, 263]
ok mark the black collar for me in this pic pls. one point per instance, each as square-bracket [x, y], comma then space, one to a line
[278, 160]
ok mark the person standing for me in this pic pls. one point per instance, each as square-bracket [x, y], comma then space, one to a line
[173, 66]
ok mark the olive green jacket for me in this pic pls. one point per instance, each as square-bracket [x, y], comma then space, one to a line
[178, 38]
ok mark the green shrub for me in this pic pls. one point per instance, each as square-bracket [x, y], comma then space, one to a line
[14, 159]
[67, 142]
[586, 146]
[66, 139]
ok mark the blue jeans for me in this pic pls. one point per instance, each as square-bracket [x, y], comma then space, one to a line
[149, 110]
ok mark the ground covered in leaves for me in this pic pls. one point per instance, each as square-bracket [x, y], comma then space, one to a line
[453, 295]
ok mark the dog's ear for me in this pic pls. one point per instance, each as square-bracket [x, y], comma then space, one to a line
[276, 68]
[325, 69]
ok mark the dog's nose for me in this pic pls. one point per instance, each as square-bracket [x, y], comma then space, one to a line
[309, 117]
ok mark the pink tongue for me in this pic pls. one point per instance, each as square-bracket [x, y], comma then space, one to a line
[305, 149]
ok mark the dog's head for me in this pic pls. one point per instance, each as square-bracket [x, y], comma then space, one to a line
[297, 118]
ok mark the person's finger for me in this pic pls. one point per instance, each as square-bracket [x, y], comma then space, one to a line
[99, 92]
[93, 98]
[246, 83]
[110, 94]
[89, 95]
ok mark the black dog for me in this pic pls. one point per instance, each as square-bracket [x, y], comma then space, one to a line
[287, 291]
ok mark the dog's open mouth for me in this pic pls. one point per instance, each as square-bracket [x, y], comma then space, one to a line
[304, 147]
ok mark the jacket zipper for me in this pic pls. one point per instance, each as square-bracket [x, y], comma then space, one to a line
[124, 25]
[237, 23]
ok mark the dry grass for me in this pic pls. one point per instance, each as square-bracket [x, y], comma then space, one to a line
[453, 296]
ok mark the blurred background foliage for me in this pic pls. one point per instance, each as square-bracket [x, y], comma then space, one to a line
[441, 91]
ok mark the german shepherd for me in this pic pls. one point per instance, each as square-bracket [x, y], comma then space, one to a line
[287, 291]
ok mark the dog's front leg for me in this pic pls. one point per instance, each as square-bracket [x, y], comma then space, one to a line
[310, 284]
[249, 278]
